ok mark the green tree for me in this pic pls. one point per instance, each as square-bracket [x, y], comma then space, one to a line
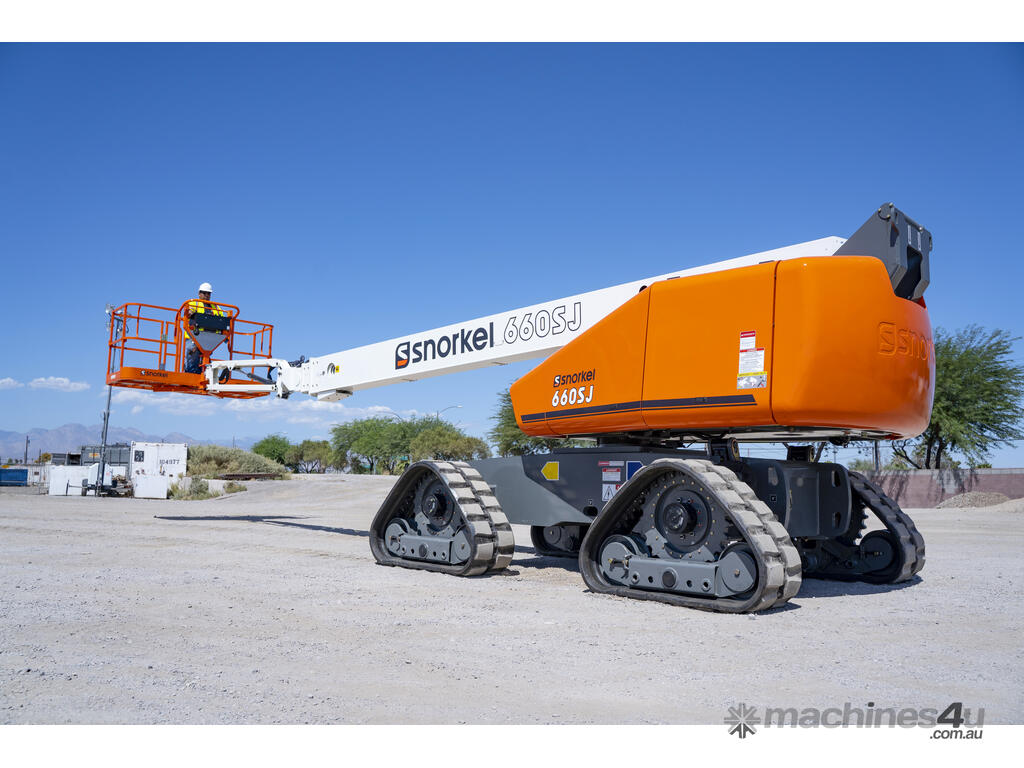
[510, 440]
[311, 456]
[446, 442]
[45, 458]
[380, 443]
[273, 447]
[342, 437]
[385, 444]
[867, 466]
[376, 444]
[861, 465]
[978, 399]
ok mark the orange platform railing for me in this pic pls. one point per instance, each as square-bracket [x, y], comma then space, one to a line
[146, 348]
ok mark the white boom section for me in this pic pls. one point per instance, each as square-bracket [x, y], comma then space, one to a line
[505, 337]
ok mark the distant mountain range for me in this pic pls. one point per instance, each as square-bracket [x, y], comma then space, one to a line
[71, 437]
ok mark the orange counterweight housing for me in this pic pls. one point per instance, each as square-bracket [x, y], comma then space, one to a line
[146, 348]
[787, 349]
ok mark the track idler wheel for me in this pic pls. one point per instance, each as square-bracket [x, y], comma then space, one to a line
[690, 533]
[880, 557]
[442, 516]
[557, 540]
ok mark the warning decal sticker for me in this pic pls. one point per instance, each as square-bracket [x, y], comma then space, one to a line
[752, 361]
[608, 490]
[752, 373]
[611, 475]
[748, 340]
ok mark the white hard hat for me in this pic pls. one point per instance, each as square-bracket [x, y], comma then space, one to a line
[206, 287]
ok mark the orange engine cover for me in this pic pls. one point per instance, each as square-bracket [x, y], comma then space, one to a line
[814, 345]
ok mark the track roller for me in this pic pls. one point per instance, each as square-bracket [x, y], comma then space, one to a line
[442, 516]
[690, 533]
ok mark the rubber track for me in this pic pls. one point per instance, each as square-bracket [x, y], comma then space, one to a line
[504, 542]
[897, 522]
[493, 544]
[778, 562]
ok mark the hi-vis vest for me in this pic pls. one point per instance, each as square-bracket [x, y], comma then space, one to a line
[199, 306]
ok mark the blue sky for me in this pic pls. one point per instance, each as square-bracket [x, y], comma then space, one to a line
[353, 193]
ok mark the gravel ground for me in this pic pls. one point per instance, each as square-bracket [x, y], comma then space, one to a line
[267, 607]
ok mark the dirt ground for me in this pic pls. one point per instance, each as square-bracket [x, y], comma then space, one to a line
[267, 607]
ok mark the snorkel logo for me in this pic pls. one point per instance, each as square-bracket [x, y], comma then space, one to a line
[461, 341]
[402, 355]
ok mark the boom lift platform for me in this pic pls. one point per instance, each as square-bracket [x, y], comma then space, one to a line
[825, 340]
[146, 349]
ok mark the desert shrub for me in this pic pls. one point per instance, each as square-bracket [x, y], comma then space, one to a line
[232, 487]
[197, 490]
[214, 460]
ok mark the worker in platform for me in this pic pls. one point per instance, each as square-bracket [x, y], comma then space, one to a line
[202, 305]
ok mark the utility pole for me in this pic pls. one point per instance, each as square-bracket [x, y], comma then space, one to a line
[103, 443]
[27, 441]
[106, 420]
[878, 458]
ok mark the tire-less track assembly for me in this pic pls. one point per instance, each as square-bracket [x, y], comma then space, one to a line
[682, 531]
[441, 516]
[690, 533]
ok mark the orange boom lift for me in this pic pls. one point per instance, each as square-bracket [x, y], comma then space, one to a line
[827, 340]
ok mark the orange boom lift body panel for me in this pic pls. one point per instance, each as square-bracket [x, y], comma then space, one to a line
[784, 350]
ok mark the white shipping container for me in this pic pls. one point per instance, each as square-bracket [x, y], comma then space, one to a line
[155, 459]
[67, 481]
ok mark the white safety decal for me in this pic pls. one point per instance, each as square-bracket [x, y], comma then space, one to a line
[752, 373]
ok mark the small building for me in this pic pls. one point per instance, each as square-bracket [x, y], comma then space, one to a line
[154, 466]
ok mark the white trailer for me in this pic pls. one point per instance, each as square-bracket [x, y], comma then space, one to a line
[67, 481]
